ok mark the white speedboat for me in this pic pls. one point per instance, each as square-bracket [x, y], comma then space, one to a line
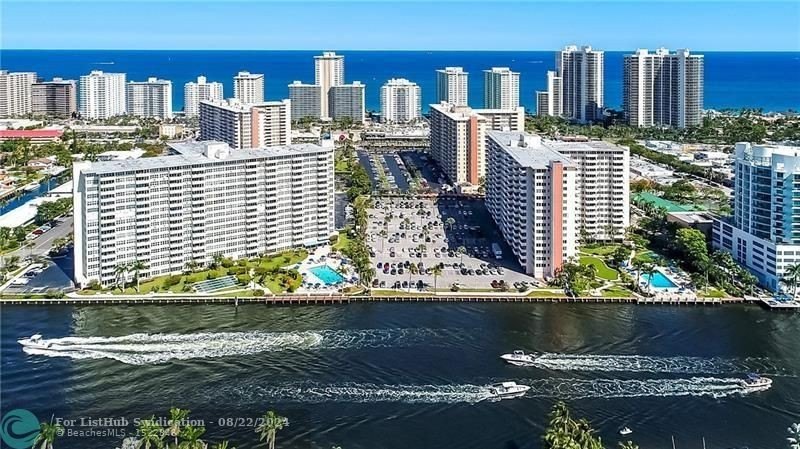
[625, 431]
[507, 390]
[755, 381]
[35, 342]
[519, 358]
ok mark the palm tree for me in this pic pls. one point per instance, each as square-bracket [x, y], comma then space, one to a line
[461, 251]
[794, 436]
[137, 266]
[450, 222]
[367, 275]
[271, 423]
[222, 445]
[12, 262]
[384, 233]
[176, 417]
[648, 270]
[150, 433]
[216, 260]
[48, 432]
[191, 265]
[437, 271]
[637, 264]
[120, 272]
[191, 437]
[791, 277]
[630, 445]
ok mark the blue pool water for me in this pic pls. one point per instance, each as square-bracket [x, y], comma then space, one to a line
[658, 280]
[327, 274]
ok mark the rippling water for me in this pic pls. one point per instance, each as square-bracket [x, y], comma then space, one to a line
[401, 375]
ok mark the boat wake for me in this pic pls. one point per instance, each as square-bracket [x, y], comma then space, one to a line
[473, 393]
[650, 364]
[146, 349]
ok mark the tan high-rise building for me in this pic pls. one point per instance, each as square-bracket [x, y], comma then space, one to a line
[457, 139]
[15, 92]
[246, 125]
[248, 87]
[328, 72]
[56, 98]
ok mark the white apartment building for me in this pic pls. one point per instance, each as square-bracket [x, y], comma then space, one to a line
[663, 89]
[56, 98]
[500, 88]
[102, 95]
[531, 193]
[347, 101]
[246, 125]
[457, 142]
[248, 87]
[602, 186]
[328, 72]
[306, 100]
[764, 232]
[151, 98]
[202, 90]
[451, 86]
[548, 102]
[202, 201]
[401, 101]
[503, 119]
[15, 93]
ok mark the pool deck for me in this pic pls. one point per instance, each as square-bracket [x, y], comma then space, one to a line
[321, 256]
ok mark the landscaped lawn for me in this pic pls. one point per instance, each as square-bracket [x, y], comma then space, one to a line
[646, 256]
[711, 292]
[616, 292]
[603, 270]
[546, 294]
[598, 249]
[343, 240]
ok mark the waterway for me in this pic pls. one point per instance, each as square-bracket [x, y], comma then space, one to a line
[396, 376]
[17, 201]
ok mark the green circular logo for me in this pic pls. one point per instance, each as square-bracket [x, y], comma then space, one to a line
[19, 428]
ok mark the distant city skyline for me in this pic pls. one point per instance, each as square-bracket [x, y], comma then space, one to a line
[412, 25]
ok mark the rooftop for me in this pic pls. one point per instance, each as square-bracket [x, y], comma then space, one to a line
[30, 133]
[200, 153]
[527, 149]
[670, 206]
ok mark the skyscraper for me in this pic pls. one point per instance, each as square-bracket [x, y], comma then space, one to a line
[400, 101]
[457, 139]
[305, 100]
[102, 95]
[246, 125]
[347, 101]
[500, 88]
[451, 86]
[151, 98]
[578, 81]
[15, 92]
[663, 89]
[195, 92]
[328, 72]
[249, 87]
[548, 102]
[56, 98]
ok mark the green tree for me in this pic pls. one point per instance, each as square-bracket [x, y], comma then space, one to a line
[48, 432]
[268, 429]
[191, 437]
[150, 433]
[176, 418]
[791, 277]
[120, 273]
[137, 266]
[436, 271]
[692, 243]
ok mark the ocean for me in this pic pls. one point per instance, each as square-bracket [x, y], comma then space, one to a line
[766, 80]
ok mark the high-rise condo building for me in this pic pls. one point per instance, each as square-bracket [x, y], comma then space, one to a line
[56, 98]
[545, 194]
[328, 72]
[531, 195]
[102, 95]
[663, 89]
[306, 100]
[15, 92]
[246, 125]
[576, 87]
[764, 232]
[202, 90]
[203, 200]
[151, 98]
[500, 88]
[503, 119]
[347, 101]
[248, 87]
[400, 101]
[451, 86]
[548, 102]
[457, 142]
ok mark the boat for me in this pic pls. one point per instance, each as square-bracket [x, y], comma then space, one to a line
[625, 431]
[507, 390]
[519, 358]
[754, 380]
[34, 341]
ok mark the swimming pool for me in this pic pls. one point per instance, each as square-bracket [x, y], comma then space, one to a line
[326, 274]
[659, 280]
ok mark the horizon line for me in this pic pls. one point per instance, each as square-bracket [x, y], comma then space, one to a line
[386, 50]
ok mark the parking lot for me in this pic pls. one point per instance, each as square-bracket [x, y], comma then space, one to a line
[429, 233]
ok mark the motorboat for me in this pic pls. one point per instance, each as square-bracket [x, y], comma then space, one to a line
[34, 341]
[625, 431]
[519, 358]
[756, 381]
[507, 390]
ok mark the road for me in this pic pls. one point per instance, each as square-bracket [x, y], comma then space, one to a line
[42, 245]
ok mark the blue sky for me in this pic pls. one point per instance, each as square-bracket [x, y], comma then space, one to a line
[394, 25]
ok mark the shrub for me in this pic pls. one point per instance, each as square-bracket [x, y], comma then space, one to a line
[244, 279]
[94, 284]
[226, 263]
[242, 262]
[233, 271]
[258, 293]
[211, 275]
[172, 281]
